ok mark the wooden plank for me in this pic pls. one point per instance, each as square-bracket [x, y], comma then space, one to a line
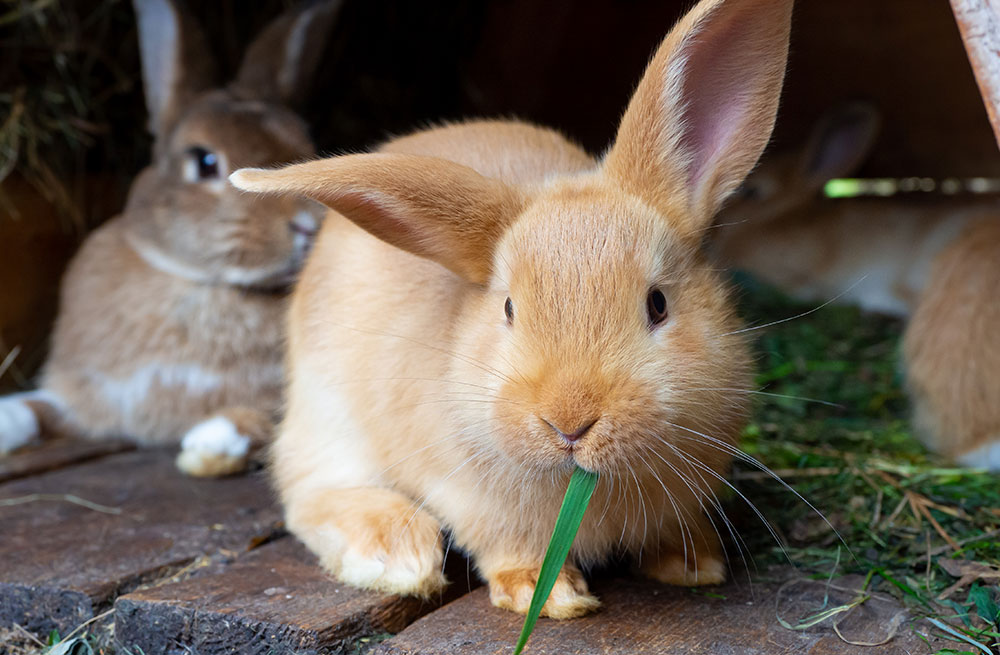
[62, 561]
[643, 618]
[56, 454]
[979, 23]
[273, 600]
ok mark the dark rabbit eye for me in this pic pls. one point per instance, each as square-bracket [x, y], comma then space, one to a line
[508, 309]
[656, 307]
[202, 164]
[748, 192]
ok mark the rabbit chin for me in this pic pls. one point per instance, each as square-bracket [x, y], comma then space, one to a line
[276, 277]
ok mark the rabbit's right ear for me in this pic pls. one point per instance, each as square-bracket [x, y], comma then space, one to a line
[839, 144]
[280, 62]
[176, 62]
[431, 207]
[704, 109]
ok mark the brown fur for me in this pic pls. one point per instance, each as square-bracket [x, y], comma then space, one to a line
[407, 379]
[952, 346]
[932, 261]
[172, 313]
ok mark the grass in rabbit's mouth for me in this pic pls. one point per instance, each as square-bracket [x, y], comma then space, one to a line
[578, 492]
[913, 521]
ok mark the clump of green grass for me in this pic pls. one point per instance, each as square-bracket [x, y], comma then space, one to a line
[915, 524]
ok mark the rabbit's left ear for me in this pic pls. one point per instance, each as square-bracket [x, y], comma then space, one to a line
[281, 61]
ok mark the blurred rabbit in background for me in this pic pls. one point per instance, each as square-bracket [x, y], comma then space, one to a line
[937, 264]
[170, 327]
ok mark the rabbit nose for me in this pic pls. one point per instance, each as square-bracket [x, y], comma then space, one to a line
[305, 224]
[575, 435]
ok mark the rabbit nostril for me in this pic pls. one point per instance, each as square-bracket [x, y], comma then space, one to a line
[304, 230]
[576, 434]
[305, 224]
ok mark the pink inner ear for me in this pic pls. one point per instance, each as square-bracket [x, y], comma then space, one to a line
[718, 91]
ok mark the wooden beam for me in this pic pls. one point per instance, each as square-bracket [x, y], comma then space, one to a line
[979, 23]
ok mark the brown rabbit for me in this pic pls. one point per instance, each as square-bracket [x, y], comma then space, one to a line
[170, 327]
[489, 307]
[935, 261]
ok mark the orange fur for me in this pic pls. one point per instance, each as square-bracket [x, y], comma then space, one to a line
[172, 313]
[932, 261]
[407, 378]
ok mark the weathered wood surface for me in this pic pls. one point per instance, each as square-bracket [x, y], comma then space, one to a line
[979, 23]
[56, 454]
[273, 600]
[641, 618]
[60, 561]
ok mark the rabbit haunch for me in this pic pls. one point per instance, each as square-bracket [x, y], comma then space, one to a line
[481, 294]
[170, 325]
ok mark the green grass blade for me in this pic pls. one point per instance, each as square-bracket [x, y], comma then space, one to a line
[581, 487]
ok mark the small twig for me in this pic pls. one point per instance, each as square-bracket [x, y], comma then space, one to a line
[894, 623]
[758, 476]
[896, 512]
[879, 497]
[922, 507]
[8, 361]
[927, 572]
[88, 622]
[27, 634]
[69, 498]
[985, 535]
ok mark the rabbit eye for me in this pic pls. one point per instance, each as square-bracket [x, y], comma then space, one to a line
[748, 192]
[508, 309]
[201, 164]
[656, 307]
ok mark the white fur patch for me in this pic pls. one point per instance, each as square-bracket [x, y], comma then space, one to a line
[18, 423]
[129, 394]
[389, 573]
[360, 570]
[216, 436]
[213, 448]
[986, 457]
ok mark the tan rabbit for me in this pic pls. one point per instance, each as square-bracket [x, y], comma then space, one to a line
[489, 307]
[170, 327]
[935, 261]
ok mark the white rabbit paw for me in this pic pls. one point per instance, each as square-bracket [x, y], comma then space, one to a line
[18, 424]
[213, 448]
[411, 573]
[985, 457]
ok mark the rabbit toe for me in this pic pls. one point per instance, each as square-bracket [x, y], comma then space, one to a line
[18, 424]
[690, 571]
[213, 448]
[512, 590]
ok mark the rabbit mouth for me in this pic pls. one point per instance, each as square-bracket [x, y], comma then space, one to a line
[280, 278]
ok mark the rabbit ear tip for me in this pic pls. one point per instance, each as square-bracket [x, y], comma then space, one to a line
[246, 178]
